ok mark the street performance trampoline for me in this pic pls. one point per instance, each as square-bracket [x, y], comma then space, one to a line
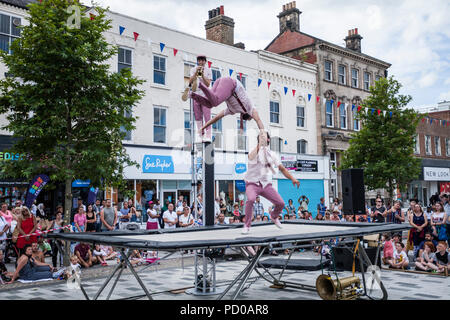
[263, 235]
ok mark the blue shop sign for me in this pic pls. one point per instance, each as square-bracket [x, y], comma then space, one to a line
[81, 184]
[240, 185]
[157, 164]
[240, 168]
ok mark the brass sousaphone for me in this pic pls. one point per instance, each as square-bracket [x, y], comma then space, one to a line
[342, 289]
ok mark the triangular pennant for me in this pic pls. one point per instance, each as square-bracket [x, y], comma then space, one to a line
[317, 98]
[268, 85]
[161, 46]
[338, 104]
[293, 92]
[379, 111]
[372, 111]
[359, 108]
[285, 90]
[384, 113]
[209, 64]
[309, 96]
[136, 35]
[92, 16]
[121, 29]
[443, 123]
[175, 52]
[390, 114]
[332, 101]
[231, 72]
[259, 82]
[353, 107]
[240, 76]
[431, 121]
[423, 120]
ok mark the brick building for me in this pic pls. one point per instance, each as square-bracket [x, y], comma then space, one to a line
[433, 147]
[344, 75]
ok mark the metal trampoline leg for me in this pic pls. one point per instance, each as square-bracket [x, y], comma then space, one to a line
[149, 296]
[99, 292]
[115, 283]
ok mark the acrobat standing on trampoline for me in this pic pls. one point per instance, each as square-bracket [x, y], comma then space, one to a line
[232, 92]
[258, 181]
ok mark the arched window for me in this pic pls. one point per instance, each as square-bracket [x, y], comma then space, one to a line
[343, 116]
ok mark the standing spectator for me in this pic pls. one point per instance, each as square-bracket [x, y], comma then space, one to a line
[221, 219]
[124, 215]
[394, 214]
[438, 223]
[418, 221]
[441, 262]
[80, 220]
[377, 212]
[258, 207]
[409, 213]
[26, 225]
[336, 206]
[321, 207]
[4, 227]
[179, 202]
[97, 208]
[153, 217]
[133, 213]
[91, 219]
[400, 259]
[186, 219]
[108, 217]
[290, 209]
[170, 218]
[84, 255]
[56, 244]
[180, 208]
[159, 212]
[434, 198]
[6, 214]
[426, 258]
[303, 201]
[223, 207]
[388, 249]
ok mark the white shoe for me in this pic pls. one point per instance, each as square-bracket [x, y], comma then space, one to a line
[185, 95]
[206, 138]
[277, 223]
[245, 230]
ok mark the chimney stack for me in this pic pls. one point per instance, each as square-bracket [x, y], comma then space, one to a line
[353, 40]
[289, 17]
[220, 28]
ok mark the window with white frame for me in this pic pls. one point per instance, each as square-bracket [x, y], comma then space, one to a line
[366, 81]
[333, 162]
[217, 134]
[125, 59]
[437, 146]
[275, 112]
[300, 116]
[329, 114]
[159, 69]
[356, 124]
[416, 144]
[187, 68]
[302, 146]
[9, 31]
[355, 78]
[447, 147]
[127, 136]
[343, 116]
[428, 145]
[187, 128]
[241, 138]
[328, 70]
[275, 144]
[341, 75]
[159, 124]
[215, 75]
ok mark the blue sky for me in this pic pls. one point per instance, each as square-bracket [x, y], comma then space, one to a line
[412, 35]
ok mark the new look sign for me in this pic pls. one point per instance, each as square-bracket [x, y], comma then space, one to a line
[157, 164]
[436, 174]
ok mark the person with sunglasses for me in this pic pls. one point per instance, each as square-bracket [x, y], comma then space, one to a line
[376, 214]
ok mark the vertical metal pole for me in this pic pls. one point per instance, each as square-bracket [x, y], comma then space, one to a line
[208, 184]
[193, 160]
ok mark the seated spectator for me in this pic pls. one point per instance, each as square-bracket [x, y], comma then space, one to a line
[327, 215]
[221, 218]
[300, 213]
[426, 258]
[428, 237]
[31, 269]
[44, 247]
[100, 254]
[236, 211]
[136, 258]
[186, 219]
[441, 262]
[84, 254]
[37, 254]
[400, 259]
[397, 237]
[308, 216]
[230, 220]
[290, 208]
[110, 253]
[319, 217]
[388, 249]
[5, 276]
[258, 218]
[265, 218]
[335, 216]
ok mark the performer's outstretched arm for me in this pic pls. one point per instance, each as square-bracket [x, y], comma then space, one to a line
[286, 173]
[213, 120]
[255, 116]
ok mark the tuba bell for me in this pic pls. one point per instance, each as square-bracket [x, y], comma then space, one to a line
[342, 289]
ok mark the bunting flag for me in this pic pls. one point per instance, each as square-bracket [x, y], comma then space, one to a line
[285, 90]
[268, 85]
[423, 120]
[317, 98]
[390, 114]
[359, 108]
[175, 52]
[240, 76]
[431, 121]
[293, 92]
[332, 101]
[384, 113]
[259, 82]
[309, 97]
[443, 123]
[353, 107]
[92, 16]
[338, 104]
[231, 72]
[136, 35]
[209, 64]
[379, 111]
[121, 29]
[372, 111]
[161, 46]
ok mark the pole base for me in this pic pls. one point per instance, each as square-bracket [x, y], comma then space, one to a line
[199, 292]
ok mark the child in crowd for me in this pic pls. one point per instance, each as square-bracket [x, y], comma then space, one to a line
[110, 253]
[400, 259]
[100, 254]
[441, 262]
[388, 249]
[423, 262]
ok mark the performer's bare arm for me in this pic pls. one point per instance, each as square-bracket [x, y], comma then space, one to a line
[286, 173]
[255, 116]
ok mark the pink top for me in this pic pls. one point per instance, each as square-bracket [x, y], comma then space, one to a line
[80, 219]
[233, 105]
[7, 216]
[262, 167]
[208, 75]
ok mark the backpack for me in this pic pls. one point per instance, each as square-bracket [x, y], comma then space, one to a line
[442, 233]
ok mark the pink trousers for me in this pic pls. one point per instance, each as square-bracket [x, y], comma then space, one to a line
[252, 190]
[202, 112]
[222, 89]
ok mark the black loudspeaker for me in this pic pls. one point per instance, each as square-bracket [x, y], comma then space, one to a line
[353, 191]
[343, 258]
